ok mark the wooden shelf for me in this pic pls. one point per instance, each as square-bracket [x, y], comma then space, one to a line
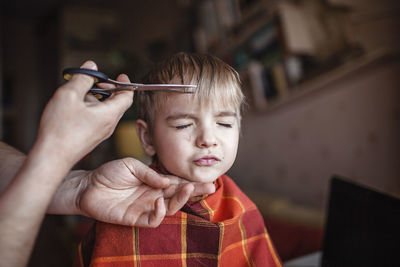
[252, 19]
[322, 81]
[272, 67]
[236, 40]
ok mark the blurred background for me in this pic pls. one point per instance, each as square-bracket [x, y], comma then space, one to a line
[321, 79]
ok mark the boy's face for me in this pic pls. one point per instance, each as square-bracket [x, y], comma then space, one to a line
[197, 143]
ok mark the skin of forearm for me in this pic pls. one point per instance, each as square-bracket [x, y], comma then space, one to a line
[10, 162]
[64, 200]
[25, 200]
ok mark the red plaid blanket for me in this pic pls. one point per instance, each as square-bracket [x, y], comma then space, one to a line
[223, 229]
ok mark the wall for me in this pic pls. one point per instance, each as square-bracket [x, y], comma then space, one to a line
[1, 85]
[33, 53]
[349, 127]
[21, 82]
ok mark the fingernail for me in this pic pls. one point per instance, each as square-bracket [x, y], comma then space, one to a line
[166, 182]
[89, 65]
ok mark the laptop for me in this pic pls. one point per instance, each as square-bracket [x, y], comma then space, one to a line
[362, 228]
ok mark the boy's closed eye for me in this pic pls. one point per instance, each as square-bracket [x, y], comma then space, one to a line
[226, 121]
[183, 126]
[227, 125]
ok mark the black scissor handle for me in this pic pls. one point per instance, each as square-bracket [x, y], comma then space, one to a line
[97, 75]
[100, 94]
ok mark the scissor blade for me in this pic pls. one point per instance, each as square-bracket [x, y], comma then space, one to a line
[168, 87]
[154, 87]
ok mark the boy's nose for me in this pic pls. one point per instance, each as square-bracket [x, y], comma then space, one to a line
[206, 138]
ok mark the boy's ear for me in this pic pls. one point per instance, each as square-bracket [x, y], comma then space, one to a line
[145, 138]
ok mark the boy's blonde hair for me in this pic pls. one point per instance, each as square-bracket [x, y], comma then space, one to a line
[216, 81]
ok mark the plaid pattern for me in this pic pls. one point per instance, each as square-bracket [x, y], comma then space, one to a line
[223, 229]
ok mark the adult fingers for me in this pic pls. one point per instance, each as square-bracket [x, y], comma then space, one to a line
[199, 188]
[156, 217]
[90, 98]
[145, 174]
[202, 189]
[122, 100]
[105, 85]
[179, 199]
[81, 83]
[123, 78]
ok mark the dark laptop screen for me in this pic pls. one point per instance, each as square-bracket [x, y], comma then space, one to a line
[362, 227]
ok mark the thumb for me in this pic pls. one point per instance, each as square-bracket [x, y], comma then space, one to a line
[81, 83]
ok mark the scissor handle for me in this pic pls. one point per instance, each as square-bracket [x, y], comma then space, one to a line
[97, 75]
[100, 94]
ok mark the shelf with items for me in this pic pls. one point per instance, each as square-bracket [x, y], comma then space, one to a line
[254, 23]
[278, 45]
[319, 82]
[222, 32]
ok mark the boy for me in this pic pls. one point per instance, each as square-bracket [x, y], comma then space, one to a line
[193, 136]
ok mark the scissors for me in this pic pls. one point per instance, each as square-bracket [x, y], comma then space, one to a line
[102, 94]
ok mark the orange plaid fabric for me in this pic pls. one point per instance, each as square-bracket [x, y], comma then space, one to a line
[223, 229]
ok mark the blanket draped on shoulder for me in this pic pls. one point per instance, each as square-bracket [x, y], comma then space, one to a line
[222, 229]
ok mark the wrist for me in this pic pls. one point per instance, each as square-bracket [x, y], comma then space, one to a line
[67, 198]
[52, 153]
[81, 185]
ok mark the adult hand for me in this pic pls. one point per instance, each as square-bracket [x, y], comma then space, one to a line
[71, 127]
[128, 192]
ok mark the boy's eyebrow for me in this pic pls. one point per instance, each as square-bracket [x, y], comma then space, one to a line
[178, 116]
[226, 114]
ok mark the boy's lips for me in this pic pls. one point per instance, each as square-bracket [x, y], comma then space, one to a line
[206, 161]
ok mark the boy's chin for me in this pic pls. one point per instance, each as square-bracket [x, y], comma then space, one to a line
[203, 178]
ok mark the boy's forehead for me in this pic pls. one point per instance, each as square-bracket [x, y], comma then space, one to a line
[216, 94]
[187, 102]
